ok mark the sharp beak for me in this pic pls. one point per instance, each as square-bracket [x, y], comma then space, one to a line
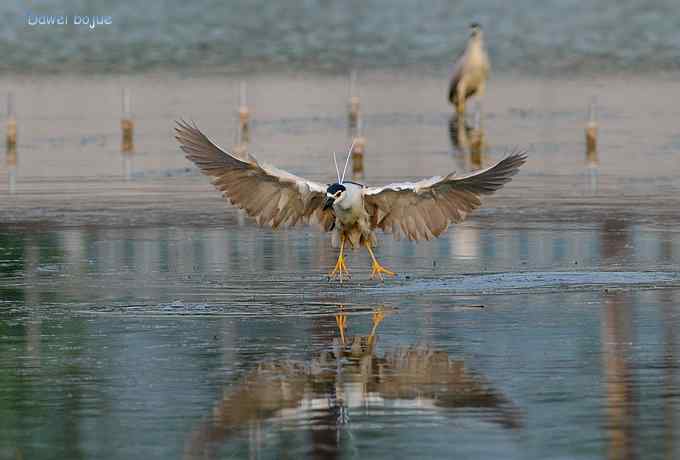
[328, 204]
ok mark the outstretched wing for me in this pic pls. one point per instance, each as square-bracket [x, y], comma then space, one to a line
[424, 209]
[270, 195]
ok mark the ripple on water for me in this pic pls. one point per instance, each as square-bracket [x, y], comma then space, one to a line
[539, 281]
[254, 310]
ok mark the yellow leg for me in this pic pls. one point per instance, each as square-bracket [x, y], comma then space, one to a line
[340, 269]
[341, 320]
[460, 109]
[460, 106]
[378, 316]
[377, 268]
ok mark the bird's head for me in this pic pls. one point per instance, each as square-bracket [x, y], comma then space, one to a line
[475, 30]
[334, 193]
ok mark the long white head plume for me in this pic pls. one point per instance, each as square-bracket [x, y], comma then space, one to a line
[337, 170]
[349, 153]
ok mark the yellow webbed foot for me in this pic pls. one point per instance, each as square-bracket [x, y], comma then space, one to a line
[340, 272]
[378, 271]
[377, 268]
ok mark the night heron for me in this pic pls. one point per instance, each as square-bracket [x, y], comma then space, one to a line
[419, 211]
[470, 70]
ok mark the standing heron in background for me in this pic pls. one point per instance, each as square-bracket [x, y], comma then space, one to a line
[470, 71]
[420, 210]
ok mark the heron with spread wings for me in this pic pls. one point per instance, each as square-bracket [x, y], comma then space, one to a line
[418, 211]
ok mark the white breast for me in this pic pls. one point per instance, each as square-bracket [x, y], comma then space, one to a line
[477, 62]
[351, 208]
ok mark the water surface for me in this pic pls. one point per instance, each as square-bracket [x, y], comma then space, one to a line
[223, 343]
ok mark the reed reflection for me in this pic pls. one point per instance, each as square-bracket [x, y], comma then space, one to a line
[128, 167]
[617, 335]
[621, 400]
[346, 381]
[11, 164]
[11, 137]
[355, 129]
[243, 115]
[358, 152]
[670, 384]
[11, 145]
[670, 301]
[242, 136]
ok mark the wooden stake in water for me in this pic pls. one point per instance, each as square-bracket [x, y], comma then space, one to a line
[243, 114]
[358, 152]
[126, 123]
[592, 161]
[127, 165]
[354, 103]
[11, 122]
[240, 147]
[591, 132]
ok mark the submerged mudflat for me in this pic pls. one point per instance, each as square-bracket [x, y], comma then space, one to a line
[141, 316]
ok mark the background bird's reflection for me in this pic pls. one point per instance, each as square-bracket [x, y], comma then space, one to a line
[468, 141]
[347, 381]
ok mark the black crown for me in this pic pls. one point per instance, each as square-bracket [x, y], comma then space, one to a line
[334, 188]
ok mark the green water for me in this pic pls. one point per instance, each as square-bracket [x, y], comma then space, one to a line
[223, 343]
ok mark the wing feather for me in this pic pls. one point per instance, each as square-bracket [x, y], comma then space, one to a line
[269, 194]
[425, 209]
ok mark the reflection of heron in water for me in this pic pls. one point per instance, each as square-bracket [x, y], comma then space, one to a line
[468, 139]
[328, 392]
[459, 133]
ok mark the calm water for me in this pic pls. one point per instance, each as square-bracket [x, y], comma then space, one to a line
[517, 342]
[530, 36]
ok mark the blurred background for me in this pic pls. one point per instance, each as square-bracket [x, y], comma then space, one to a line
[530, 37]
